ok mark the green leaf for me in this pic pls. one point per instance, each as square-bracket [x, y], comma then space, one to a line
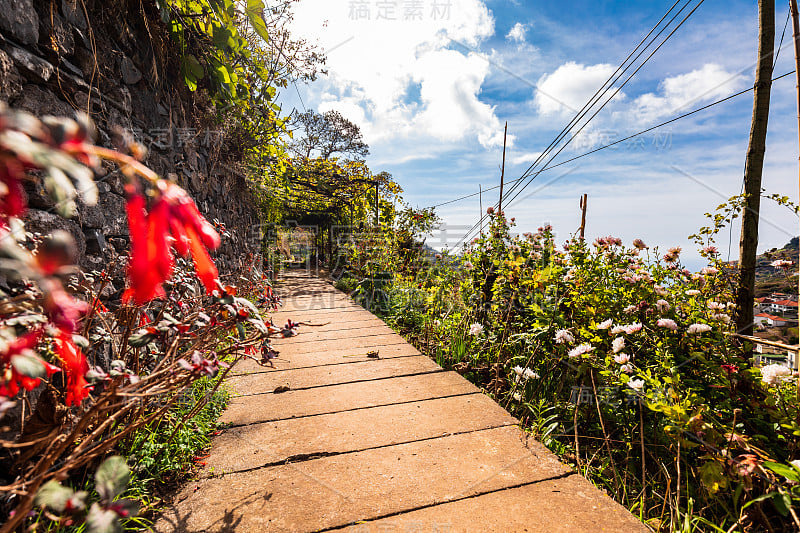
[54, 496]
[782, 503]
[192, 71]
[221, 37]
[255, 12]
[101, 520]
[28, 365]
[143, 338]
[758, 499]
[784, 470]
[112, 477]
[222, 74]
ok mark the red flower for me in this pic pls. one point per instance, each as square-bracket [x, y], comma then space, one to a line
[75, 366]
[172, 222]
[12, 203]
[145, 281]
[12, 380]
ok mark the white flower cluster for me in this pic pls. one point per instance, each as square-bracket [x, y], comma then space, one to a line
[563, 336]
[475, 329]
[774, 374]
[524, 374]
[627, 328]
[580, 350]
[696, 329]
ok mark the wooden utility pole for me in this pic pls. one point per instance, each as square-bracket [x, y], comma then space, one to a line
[754, 165]
[796, 35]
[584, 200]
[502, 171]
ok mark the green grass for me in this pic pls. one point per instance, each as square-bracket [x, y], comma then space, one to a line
[160, 461]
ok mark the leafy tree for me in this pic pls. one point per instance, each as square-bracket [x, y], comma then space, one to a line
[329, 133]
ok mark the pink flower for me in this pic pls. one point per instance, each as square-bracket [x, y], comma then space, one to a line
[622, 358]
[605, 324]
[636, 384]
[696, 329]
[563, 336]
[667, 323]
[618, 344]
[662, 306]
[633, 328]
[581, 350]
[639, 244]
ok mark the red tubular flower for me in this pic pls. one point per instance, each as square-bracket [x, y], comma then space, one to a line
[145, 282]
[203, 265]
[75, 366]
[158, 250]
[172, 222]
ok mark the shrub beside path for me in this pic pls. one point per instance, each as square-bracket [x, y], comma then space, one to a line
[368, 445]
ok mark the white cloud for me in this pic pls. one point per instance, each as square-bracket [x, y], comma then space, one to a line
[528, 157]
[376, 68]
[679, 93]
[517, 32]
[571, 85]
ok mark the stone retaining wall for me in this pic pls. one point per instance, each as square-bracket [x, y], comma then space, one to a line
[120, 66]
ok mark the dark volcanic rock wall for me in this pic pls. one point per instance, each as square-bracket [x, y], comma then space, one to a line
[120, 66]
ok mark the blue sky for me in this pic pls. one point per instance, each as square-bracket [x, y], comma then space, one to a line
[431, 94]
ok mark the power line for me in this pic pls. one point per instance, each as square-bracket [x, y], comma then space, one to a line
[594, 100]
[620, 87]
[608, 85]
[777, 55]
[624, 139]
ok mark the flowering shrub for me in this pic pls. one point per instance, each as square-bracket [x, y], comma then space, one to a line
[94, 377]
[621, 360]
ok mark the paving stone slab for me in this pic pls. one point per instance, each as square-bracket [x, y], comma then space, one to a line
[312, 304]
[349, 396]
[319, 376]
[341, 490]
[257, 445]
[565, 505]
[308, 334]
[362, 323]
[288, 361]
[342, 316]
[294, 345]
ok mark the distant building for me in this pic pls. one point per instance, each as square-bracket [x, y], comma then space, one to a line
[769, 320]
[778, 303]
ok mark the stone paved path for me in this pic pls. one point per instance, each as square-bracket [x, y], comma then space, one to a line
[393, 444]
